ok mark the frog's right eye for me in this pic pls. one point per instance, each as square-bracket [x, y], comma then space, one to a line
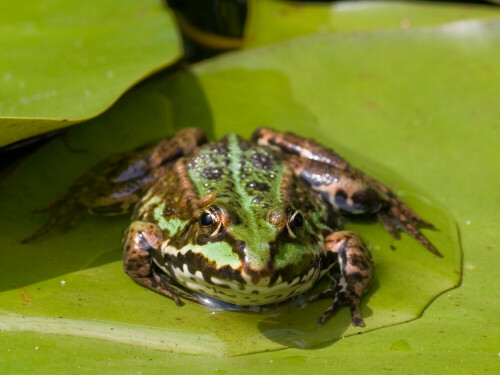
[210, 223]
[298, 220]
[206, 219]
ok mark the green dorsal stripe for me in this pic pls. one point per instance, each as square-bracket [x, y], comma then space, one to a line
[235, 157]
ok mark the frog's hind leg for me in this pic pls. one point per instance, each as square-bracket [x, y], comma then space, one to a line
[114, 185]
[345, 187]
[91, 194]
[140, 241]
[182, 143]
[356, 193]
[355, 275]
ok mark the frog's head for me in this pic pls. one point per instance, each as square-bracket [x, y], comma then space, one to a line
[246, 254]
[263, 240]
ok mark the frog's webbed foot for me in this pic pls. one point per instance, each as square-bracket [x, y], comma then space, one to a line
[395, 215]
[140, 241]
[356, 274]
[64, 210]
[340, 300]
[394, 218]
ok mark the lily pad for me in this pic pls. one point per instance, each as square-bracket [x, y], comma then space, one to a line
[89, 55]
[274, 21]
[73, 283]
[63, 62]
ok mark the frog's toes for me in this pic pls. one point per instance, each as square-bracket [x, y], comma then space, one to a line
[340, 301]
[44, 229]
[356, 318]
[397, 216]
[329, 312]
[390, 226]
[48, 226]
[66, 211]
[358, 322]
[177, 300]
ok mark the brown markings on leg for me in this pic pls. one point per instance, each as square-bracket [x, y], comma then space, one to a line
[140, 240]
[356, 274]
[306, 148]
[357, 195]
[181, 144]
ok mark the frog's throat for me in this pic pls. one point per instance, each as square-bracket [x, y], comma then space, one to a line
[238, 286]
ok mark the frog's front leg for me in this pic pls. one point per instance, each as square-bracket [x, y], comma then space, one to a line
[141, 241]
[345, 187]
[114, 185]
[355, 275]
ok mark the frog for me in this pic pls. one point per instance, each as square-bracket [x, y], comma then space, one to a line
[249, 222]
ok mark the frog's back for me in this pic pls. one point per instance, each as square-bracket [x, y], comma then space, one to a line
[242, 173]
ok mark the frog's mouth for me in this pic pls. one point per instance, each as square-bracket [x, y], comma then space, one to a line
[236, 286]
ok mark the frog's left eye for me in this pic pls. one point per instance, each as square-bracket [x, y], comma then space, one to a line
[295, 223]
[206, 219]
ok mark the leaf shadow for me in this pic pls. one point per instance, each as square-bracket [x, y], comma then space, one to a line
[149, 112]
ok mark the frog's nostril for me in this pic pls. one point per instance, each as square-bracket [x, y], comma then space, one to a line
[276, 217]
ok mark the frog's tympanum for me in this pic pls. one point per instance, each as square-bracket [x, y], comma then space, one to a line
[247, 222]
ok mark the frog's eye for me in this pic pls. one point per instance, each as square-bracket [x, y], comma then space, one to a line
[298, 220]
[210, 222]
[206, 219]
[295, 223]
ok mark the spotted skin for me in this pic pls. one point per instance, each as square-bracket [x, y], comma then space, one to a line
[355, 275]
[254, 172]
[250, 222]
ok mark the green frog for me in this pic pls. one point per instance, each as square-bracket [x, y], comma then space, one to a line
[250, 222]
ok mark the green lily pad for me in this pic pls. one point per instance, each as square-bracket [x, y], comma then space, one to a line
[88, 55]
[63, 62]
[73, 284]
[274, 21]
